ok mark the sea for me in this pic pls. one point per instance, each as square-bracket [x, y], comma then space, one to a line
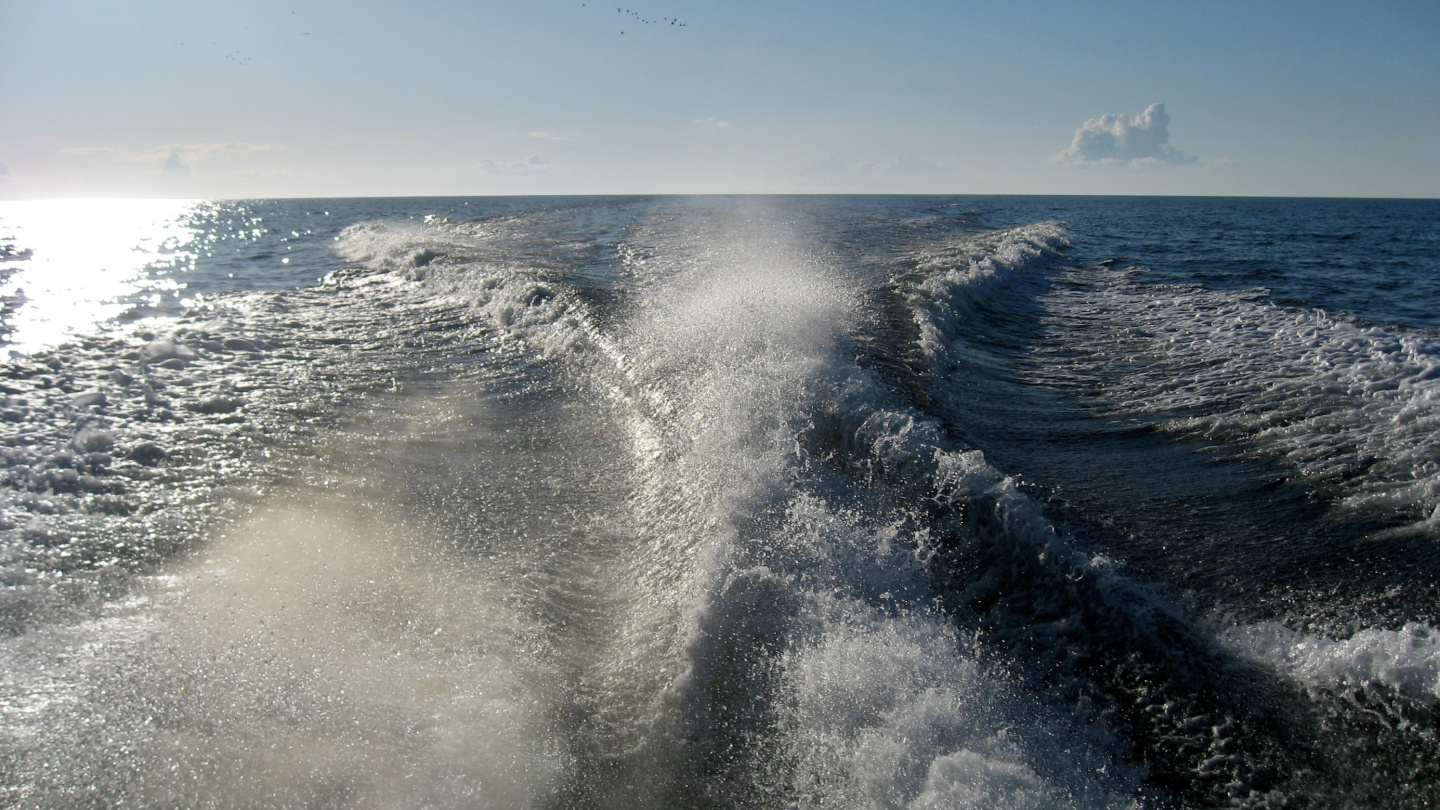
[720, 502]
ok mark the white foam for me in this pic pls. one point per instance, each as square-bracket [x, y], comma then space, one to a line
[471, 264]
[879, 701]
[1352, 410]
[957, 278]
[967, 780]
[891, 710]
[314, 652]
[1406, 660]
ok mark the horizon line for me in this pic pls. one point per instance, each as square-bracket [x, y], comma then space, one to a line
[100, 198]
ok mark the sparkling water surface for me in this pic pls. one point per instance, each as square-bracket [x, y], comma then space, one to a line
[720, 502]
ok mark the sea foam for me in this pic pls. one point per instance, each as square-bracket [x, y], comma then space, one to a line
[1406, 660]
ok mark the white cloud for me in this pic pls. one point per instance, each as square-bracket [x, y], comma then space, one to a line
[174, 167]
[535, 163]
[1116, 140]
[827, 169]
[192, 151]
[910, 167]
[894, 168]
[711, 122]
[548, 136]
[98, 152]
[205, 151]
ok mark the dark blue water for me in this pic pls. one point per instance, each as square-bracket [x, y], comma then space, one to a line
[1372, 260]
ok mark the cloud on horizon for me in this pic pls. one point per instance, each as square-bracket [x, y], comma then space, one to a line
[832, 169]
[192, 152]
[174, 167]
[534, 163]
[1118, 140]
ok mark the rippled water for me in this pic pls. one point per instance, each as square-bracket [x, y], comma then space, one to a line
[713, 502]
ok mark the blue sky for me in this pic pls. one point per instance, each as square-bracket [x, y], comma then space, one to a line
[193, 98]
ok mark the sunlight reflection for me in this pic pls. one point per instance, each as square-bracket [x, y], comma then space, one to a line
[88, 261]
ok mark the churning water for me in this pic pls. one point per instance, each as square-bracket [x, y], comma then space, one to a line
[882, 502]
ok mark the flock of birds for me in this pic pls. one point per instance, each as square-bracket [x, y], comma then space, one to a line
[662, 21]
[241, 59]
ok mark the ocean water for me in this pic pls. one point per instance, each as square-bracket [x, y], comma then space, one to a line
[857, 502]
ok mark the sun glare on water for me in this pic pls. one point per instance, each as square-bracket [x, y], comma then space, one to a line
[70, 265]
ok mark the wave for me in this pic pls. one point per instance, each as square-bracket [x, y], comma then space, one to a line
[832, 595]
[1405, 660]
[951, 282]
[1350, 410]
[790, 582]
[773, 617]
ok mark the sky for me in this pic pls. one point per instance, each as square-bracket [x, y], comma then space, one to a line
[310, 98]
